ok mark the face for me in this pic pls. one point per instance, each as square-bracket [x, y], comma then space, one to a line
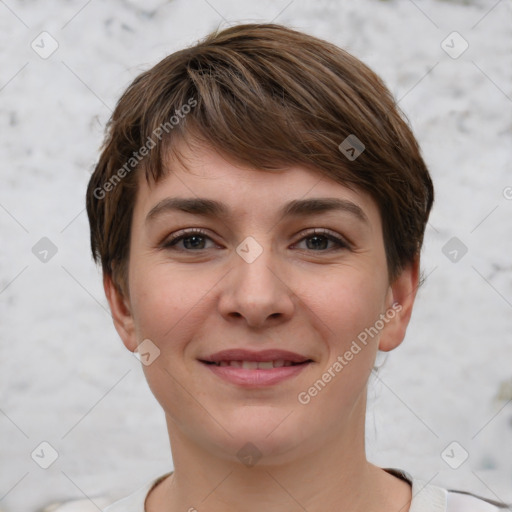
[287, 272]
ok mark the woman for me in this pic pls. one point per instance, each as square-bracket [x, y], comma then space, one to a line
[259, 209]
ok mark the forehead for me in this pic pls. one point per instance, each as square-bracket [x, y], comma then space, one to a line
[241, 191]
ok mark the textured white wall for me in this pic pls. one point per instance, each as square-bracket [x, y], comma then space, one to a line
[65, 377]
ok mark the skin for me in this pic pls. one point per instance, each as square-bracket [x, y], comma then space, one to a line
[303, 294]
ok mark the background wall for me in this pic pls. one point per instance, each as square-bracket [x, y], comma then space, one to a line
[65, 377]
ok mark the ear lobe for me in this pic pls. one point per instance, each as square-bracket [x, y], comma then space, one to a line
[121, 313]
[400, 300]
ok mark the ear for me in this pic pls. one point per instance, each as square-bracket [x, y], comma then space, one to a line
[121, 313]
[400, 301]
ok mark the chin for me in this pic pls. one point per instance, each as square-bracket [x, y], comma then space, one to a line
[263, 438]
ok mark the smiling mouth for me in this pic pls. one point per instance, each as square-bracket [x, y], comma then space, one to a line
[257, 365]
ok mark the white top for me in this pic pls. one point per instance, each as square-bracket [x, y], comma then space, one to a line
[425, 498]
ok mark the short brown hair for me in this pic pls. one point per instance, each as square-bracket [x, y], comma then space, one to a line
[270, 97]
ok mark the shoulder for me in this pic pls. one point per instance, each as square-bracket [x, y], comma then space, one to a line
[432, 498]
[135, 502]
[461, 501]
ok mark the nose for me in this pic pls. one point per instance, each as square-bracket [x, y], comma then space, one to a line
[256, 292]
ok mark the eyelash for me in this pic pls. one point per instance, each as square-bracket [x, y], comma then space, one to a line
[171, 242]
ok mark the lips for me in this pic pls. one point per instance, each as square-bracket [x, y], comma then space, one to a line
[255, 365]
[262, 360]
[249, 369]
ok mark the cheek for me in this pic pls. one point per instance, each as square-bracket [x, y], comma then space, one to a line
[166, 300]
[345, 302]
[348, 305]
[168, 307]
[358, 310]
[347, 313]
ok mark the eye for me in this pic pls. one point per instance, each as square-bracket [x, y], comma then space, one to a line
[193, 239]
[319, 239]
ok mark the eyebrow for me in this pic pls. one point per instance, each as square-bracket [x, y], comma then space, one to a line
[296, 208]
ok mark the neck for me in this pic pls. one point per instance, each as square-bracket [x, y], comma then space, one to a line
[333, 474]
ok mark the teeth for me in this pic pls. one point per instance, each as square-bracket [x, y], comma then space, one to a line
[256, 365]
